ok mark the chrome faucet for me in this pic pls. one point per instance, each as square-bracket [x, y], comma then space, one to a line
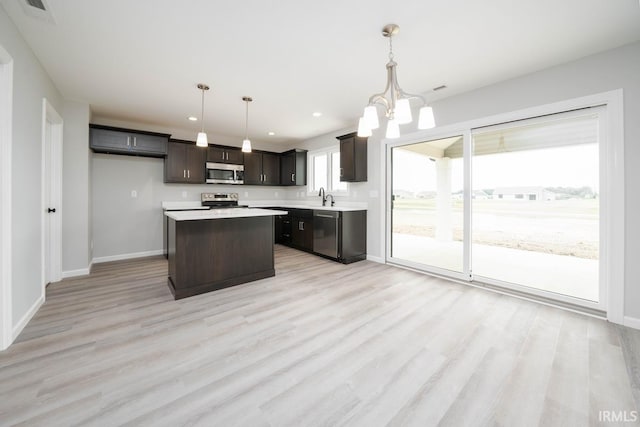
[321, 194]
[333, 202]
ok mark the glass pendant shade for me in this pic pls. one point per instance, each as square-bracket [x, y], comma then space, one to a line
[246, 146]
[403, 112]
[371, 117]
[393, 129]
[363, 130]
[201, 141]
[426, 120]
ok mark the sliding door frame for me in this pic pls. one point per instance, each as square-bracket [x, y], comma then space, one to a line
[612, 213]
[443, 133]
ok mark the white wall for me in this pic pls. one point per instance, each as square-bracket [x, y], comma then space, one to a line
[614, 69]
[31, 84]
[76, 190]
[124, 225]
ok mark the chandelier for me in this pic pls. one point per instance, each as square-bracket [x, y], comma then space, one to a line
[394, 100]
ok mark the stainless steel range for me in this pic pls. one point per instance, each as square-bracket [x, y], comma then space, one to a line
[220, 200]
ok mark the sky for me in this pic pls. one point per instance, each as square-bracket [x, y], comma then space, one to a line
[569, 166]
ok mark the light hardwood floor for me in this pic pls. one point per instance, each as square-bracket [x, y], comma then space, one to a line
[319, 344]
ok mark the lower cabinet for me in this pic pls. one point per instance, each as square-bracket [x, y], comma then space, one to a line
[302, 229]
[337, 235]
[283, 229]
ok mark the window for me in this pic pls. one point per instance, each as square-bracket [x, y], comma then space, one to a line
[325, 171]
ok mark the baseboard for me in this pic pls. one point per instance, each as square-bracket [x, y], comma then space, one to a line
[632, 322]
[127, 256]
[17, 329]
[375, 259]
[76, 273]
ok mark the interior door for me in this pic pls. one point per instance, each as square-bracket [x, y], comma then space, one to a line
[50, 210]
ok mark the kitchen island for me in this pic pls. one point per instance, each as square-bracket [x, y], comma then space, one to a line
[217, 248]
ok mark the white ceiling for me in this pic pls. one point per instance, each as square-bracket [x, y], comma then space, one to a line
[141, 60]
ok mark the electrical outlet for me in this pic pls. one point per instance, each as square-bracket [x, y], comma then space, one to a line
[246, 194]
[275, 194]
[134, 194]
[184, 194]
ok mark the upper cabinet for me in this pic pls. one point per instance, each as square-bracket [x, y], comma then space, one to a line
[293, 167]
[185, 162]
[261, 168]
[107, 139]
[221, 154]
[353, 158]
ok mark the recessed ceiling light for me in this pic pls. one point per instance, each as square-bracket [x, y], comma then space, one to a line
[193, 119]
[271, 133]
[317, 114]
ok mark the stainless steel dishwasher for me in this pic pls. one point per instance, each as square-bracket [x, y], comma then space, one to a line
[325, 232]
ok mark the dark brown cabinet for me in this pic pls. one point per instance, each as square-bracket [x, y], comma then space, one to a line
[221, 154]
[353, 158]
[283, 228]
[107, 139]
[210, 254]
[185, 162]
[293, 167]
[302, 228]
[261, 168]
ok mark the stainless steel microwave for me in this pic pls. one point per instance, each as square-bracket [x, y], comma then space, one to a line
[222, 173]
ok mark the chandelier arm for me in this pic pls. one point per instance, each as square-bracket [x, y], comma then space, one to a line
[379, 98]
[410, 96]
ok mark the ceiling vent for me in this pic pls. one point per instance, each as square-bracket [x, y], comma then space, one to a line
[39, 9]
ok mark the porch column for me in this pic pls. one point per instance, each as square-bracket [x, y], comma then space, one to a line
[444, 231]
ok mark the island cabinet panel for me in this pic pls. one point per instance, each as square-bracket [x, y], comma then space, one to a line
[206, 255]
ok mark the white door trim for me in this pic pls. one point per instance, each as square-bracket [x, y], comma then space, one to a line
[49, 114]
[6, 103]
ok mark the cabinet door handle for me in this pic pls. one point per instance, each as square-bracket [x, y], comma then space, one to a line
[265, 177]
[188, 173]
[184, 173]
[135, 141]
[227, 154]
[301, 225]
[293, 177]
[128, 141]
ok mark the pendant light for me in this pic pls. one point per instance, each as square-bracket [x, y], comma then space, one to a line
[246, 143]
[201, 141]
[394, 100]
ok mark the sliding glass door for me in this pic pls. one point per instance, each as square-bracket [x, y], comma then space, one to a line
[427, 205]
[533, 221]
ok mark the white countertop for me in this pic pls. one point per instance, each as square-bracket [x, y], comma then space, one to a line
[291, 204]
[194, 215]
[182, 206]
[294, 205]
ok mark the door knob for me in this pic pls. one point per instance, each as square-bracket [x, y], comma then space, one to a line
[51, 210]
